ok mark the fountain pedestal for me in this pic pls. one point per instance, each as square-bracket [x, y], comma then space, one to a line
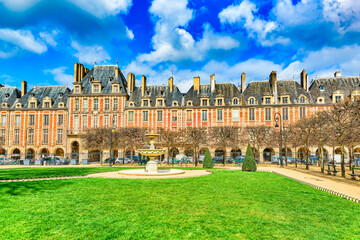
[151, 167]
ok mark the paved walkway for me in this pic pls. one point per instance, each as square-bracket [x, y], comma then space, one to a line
[348, 191]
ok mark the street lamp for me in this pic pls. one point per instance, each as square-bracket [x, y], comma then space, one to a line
[111, 141]
[26, 136]
[277, 118]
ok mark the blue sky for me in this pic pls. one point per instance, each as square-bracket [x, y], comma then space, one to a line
[41, 39]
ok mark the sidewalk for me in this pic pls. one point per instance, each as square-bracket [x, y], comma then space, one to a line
[348, 191]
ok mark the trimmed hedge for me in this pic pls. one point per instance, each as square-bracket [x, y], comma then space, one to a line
[208, 163]
[249, 162]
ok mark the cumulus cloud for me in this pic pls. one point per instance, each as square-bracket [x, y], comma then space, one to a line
[60, 76]
[129, 33]
[49, 37]
[23, 39]
[90, 54]
[19, 5]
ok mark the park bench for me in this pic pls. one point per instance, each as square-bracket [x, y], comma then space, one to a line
[353, 174]
[332, 171]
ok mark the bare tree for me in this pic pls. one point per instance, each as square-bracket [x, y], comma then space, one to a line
[170, 140]
[258, 136]
[132, 138]
[194, 137]
[305, 127]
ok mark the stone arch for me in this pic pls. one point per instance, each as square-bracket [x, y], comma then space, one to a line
[202, 151]
[2, 151]
[59, 152]
[30, 153]
[302, 152]
[75, 146]
[15, 153]
[44, 152]
[357, 152]
[189, 152]
[268, 153]
[95, 155]
[255, 152]
[174, 152]
[235, 153]
[288, 152]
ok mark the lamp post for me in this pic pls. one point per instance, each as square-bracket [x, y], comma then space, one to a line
[111, 141]
[277, 118]
[26, 135]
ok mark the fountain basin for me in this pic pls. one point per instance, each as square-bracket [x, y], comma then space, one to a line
[143, 172]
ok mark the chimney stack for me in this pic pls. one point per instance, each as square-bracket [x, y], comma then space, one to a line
[117, 72]
[243, 80]
[75, 72]
[171, 83]
[81, 72]
[143, 85]
[197, 84]
[273, 85]
[23, 88]
[131, 82]
[304, 79]
[212, 82]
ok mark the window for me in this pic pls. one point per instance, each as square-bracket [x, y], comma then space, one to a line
[96, 121]
[86, 105]
[17, 136]
[77, 89]
[96, 88]
[204, 115]
[3, 135]
[321, 88]
[107, 104]
[59, 136]
[219, 115]
[251, 114]
[46, 105]
[145, 116]
[251, 101]
[32, 105]
[267, 100]
[45, 136]
[285, 100]
[219, 102]
[3, 120]
[235, 115]
[76, 122]
[106, 121]
[160, 102]
[60, 120]
[17, 121]
[31, 136]
[145, 103]
[236, 101]
[174, 116]
[131, 116]
[84, 122]
[337, 99]
[77, 104]
[116, 104]
[302, 112]
[267, 114]
[285, 114]
[204, 102]
[96, 104]
[188, 115]
[302, 99]
[115, 121]
[159, 116]
[116, 88]
[189, 103]
[31, 120]
[46, 120]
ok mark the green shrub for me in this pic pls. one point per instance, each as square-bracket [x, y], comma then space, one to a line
[207, 162]
[249, 162]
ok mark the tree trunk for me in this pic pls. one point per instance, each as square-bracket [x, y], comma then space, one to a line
[286, 155]
[296, 159]
[131, 156]
[322, 159]
[195, 158]
[342, 162]
[307, 159]
[168, 159]
[350, 157]
[224, 157]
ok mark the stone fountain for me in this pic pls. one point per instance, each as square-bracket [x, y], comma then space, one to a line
[151, 166]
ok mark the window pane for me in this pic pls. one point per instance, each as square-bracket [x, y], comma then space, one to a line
[235, 115]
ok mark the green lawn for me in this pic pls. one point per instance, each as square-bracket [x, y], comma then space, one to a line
[226, 205]
[43, 172]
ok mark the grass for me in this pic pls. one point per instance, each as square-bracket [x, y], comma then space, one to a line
[226, 205]
[45, 172]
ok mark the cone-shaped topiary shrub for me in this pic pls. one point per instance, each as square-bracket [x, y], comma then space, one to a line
[207, 163]
[249, 161]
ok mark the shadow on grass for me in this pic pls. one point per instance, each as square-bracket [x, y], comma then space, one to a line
[24, 188]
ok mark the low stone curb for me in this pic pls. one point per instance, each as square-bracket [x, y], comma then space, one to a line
[41, 179]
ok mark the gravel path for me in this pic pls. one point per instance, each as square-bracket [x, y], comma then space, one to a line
[188, 173]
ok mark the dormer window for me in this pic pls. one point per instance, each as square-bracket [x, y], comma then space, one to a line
[267, 100]
[61, 95]
[160, 102]
[162, 93]
[18, 105]
[175, 103]
[116, 88]
[236, 101]
[219, 102]
[61, 105]
[46, 102]
[204, 102]
[46, 105]
[131, 104]
[4, 105]
[32, 105]
[7, 95]
[321, 88]
[285, 100]
[338, 96]
[96, 88]
[320, 100]
[302, 99]
[77, 89]
[189, 103]
[110, 79]
[337, 99]
[252, 101]
[145, 103]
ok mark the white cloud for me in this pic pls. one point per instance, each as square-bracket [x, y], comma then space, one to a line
[90, 54]
[129, 33]
[19, 5]
[103, 8]
[60, 76]
[23, 39]
[49, 37]
[174, 13]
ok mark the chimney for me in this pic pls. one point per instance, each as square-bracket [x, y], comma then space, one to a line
[23, 88]
[131, 82]
[337, 74]
[75, 72]
[143, 85]
[212, 82]
[171, 83]
[273, 85]
[117, 72]
[81, 72]
[243, 80]
[197, 84]
[304, 79]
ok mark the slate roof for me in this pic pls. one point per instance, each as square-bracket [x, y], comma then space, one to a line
[259, 89]
[330, 85]
[56, 93]
[226, 90]
[103, 73]
[154, 91]
[9, 95]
